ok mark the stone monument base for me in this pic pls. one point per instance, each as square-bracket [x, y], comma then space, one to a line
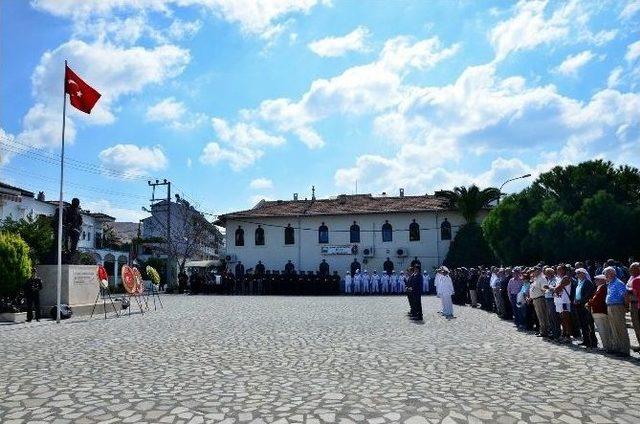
[79, 289]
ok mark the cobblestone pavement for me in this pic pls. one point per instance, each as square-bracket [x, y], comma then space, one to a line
[276, 359]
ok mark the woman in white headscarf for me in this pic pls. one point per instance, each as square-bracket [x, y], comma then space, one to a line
[444, 289]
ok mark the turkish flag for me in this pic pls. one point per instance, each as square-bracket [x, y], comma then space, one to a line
[83, 96]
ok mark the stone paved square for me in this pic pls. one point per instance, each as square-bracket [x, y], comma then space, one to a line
[303, 359]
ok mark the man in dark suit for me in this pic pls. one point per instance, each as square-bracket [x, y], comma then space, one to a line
[414, 293]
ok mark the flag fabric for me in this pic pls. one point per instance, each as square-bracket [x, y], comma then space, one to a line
[83, 97]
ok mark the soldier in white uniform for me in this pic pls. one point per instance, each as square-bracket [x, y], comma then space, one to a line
[347, 283]
[384, 283]
[401, 282]
[375, 282]
[393, 282]
[366, 282]
[425, 282]
[357, 282]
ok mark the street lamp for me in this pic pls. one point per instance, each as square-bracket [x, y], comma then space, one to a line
[508, 181]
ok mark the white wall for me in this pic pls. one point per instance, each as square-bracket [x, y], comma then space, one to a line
[306, 255]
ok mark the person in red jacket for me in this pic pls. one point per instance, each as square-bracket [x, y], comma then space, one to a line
[598, 307]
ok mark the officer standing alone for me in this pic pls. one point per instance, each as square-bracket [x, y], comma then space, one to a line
[32, 289]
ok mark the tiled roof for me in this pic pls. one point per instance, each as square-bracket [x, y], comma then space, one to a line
[358, 204]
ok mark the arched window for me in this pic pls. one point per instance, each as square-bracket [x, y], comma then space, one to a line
[387, 232]
[323, 234]
[239, 236]
[445, 230]
[354, 233]
[259, 236]
[288, 235]
[414, 231]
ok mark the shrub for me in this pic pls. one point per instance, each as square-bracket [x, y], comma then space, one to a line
[469, 248]
[15, 268]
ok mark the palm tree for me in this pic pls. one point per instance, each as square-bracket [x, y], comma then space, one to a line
[469, 201]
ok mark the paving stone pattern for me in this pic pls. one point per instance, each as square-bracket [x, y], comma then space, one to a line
[207, 359]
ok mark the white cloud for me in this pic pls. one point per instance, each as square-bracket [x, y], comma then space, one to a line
[572, 64]
[359, 90]
[133, 161]
[243, 144]
[435, 127]
[189, 163]
[529, 27]
[6, 139]
[355, 41]
[633, 51]
[254, 17]
[614, 77]
[121, 214]
[167, 110]
[630, 9]
[113, 71]
[261, 183]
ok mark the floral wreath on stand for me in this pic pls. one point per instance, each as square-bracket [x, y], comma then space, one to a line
[103, 277]
[153, 274]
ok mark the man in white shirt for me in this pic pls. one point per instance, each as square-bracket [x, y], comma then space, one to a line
[444, 288]
[536, 293]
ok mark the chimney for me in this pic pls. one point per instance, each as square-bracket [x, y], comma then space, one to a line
[295, 196]
[401, 192]
[41, 196]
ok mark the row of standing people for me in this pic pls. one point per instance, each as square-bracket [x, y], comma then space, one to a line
[562, 303]
[385, 283]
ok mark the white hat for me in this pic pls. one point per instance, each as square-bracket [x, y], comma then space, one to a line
[582, 270]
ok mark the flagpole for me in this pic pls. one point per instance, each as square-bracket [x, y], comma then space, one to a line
[60, 206]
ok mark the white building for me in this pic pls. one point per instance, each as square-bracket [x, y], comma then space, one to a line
[17, 203]
[340, 230]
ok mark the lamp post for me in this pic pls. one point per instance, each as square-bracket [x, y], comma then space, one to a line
[508, 181]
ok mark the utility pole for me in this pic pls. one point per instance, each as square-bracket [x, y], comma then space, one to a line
[164, 182]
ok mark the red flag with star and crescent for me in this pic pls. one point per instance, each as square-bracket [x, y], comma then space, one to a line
[83, 97]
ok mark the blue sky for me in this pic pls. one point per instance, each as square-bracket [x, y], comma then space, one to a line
[235, 101]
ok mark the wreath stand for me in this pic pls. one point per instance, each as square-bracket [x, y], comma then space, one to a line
[155, 293]
[101, 293]
[137, 297]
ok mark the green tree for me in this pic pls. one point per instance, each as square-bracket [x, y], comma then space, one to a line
[589, 210]
[36, 232]
[469, 248]
[470, 201]
[15, 264]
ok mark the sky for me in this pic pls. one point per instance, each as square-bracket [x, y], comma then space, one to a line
[235, 101]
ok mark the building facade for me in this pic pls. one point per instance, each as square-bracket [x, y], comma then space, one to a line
[363, 228]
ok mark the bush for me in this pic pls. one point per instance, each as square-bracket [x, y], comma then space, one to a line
[15, 268]
[36, 232]
[469, 248]
[87, 259]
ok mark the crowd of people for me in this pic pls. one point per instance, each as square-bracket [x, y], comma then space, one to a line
[562, 303]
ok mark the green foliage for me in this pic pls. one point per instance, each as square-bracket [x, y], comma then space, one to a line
[470, 201]
[87, 259]
[589, 210]
[469, 248]
[15, 264]
[37, 233]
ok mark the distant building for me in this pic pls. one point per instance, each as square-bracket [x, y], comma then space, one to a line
[192, 237]
[365, 228]
[18, 203]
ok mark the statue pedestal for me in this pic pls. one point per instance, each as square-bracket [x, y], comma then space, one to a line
[79, 288]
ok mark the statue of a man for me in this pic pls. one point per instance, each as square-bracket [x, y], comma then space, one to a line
[72, 222]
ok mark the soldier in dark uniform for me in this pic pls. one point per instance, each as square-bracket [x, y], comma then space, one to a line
[416, 262]
[182, 281]
[289, 267]
[32, 289]
[355, 266]
[324, 268]
[239, 277]
[193, 283]
[335, 283]
[311, 283]
[414, 289]
[260, 269]
[388, 266]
